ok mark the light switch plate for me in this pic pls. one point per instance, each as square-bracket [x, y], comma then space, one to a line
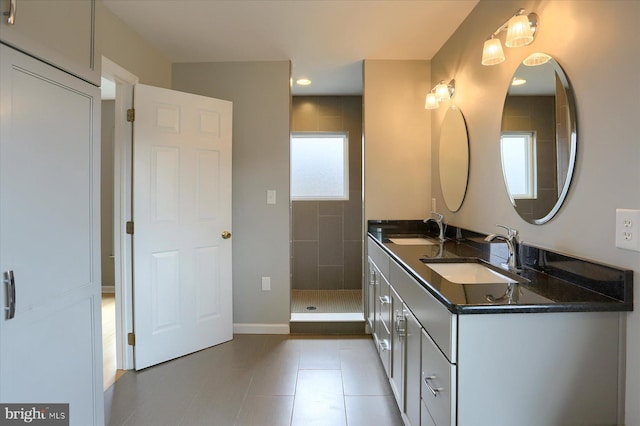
[266, 283]
[628, 229]
[271, 196]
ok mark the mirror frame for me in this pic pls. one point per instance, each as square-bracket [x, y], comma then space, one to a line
[573, 141]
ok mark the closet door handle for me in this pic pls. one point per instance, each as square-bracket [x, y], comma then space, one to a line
[9, 279]
[11, 14]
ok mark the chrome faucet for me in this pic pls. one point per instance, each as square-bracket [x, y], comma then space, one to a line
[513, 244]
[439, 220]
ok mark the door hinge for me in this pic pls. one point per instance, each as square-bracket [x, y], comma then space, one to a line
[130, 228]
[131, 339]
[131, 115]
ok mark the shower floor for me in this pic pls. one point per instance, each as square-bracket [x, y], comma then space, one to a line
[326, 301]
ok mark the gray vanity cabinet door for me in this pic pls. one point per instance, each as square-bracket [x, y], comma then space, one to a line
[370, 291]
[383, 304]
[425, 417]
[398, 349]
[379, 257]
[438, 383]
[413, 333]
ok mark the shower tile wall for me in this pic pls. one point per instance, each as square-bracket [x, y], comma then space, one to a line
[327, 235]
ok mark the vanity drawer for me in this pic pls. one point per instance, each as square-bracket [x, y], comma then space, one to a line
[379, 257]
[384, 302]
[425, 417]
[384, 348]
[434, 317]
[438, 383]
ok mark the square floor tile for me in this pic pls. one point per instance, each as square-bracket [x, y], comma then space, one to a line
[372, 410]
[266, 411]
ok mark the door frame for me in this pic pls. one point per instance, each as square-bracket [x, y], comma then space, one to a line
[122, 209]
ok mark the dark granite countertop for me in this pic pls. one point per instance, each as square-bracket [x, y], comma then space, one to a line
[549, 282]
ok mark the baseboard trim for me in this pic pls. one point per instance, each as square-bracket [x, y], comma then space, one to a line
[260, 328]
[109, 289]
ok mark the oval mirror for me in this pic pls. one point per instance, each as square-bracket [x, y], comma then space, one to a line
[454, 158]
[538, 138]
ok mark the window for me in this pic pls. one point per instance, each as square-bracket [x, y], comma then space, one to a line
[319, 166]
[519, 164]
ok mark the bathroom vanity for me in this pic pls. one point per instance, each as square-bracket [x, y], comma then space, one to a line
[541, 347]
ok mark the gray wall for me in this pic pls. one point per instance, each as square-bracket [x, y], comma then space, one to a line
[397, 140]
[128, 49]
[261, 98]
[106, 192]
[596, 44]
[327, 235]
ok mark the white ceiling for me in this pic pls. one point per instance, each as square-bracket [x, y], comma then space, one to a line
[326, 40]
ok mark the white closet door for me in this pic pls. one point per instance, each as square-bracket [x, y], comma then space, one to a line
[51, 350]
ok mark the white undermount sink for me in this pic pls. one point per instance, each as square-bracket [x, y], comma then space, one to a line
[469, 273]
[413, 241]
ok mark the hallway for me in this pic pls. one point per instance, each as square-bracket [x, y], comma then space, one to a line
[261, 380]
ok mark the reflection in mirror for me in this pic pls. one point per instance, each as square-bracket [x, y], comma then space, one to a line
[538, 139]
[454, 158]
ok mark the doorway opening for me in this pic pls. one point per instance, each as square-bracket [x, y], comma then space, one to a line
[107, 267]
[327, 241]
[117, 97]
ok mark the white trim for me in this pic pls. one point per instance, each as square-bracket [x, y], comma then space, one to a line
[108, 289]
[122, 210]
[115, 72]
[327, 317]
[260, 328]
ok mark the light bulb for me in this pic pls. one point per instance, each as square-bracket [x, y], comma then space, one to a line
[431, 102]
[536, 59]
[442, 92]
[519, 32]
[492, 53]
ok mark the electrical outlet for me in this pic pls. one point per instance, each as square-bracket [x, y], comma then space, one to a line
[266, 283]
[433, 205]
[628, 229]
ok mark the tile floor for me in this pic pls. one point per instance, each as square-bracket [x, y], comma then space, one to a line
[326, 301]
[261, 380]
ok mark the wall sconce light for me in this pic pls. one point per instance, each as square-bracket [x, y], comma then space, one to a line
[443, 91]
[536, 59]
[521, 31]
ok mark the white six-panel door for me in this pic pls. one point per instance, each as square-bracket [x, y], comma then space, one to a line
[51, 350]
[181, 208]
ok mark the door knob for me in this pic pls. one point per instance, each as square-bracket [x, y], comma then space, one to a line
[226, 235]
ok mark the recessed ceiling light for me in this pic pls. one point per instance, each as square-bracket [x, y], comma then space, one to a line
[517, 81]
[303, 82]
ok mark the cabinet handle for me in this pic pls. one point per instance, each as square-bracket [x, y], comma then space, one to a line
[384, 345]
[9, 279]
[384, 299]
[400, 325]
[372, 277]
[11, 14]
[433, 390]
